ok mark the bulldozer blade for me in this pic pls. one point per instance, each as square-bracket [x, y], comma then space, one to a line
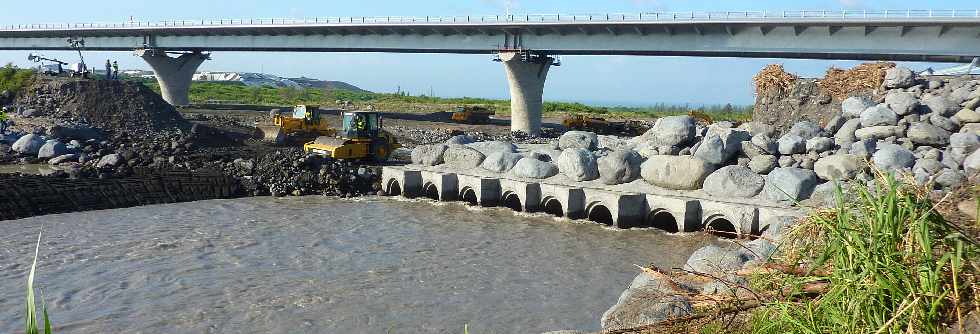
[272, 134]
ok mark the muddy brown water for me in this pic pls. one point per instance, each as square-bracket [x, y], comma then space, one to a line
[323, 265]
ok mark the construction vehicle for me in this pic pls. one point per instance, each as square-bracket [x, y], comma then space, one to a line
[472, 114]
[305, 121]
[56, 68]
[581, 122]
[361, 138]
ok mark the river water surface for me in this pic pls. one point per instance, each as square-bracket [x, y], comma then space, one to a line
[322, 265]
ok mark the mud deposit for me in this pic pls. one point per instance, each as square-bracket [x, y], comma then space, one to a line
[323, 265]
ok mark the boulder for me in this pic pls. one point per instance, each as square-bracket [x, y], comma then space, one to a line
[791, 144]
[948, 178]
[670, 131]
[578, 139]
[459, 140]
[544, 154]
[838, 167]
[864, 148]
[806, 129]
[721, 144]
[790, 184]
[63, 158]
[878, 132]
[80, 132]
[963, 144]
[636, 307]
[853, 106]
[758, 128]
[579, 164]
[612, 143]
[972, 163]
[878, 115]
[938, 105]
[462, 156]
[973, 128]
[620, 166]
[763, 164]
[676, 172]
[716, 260]
[845, 135]
[927, 134]
[487, 147]
[28, 145]
[967, 116]
[534, 169]
[429, 155]
[52, 148]
[765, 143]
[891, 157]
[819, 144]
[943, 122]
[111, 160]
[902, 103]
[927, 166]
[733, 181]
[834, 124]
[899, 77]
[501, 162]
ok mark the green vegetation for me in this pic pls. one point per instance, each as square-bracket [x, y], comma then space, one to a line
[890, 263]
[14, 79]
[201, 92]
[31, 309]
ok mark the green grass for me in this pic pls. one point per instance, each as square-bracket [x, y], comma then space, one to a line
[31, 308]
[233, 91]
[893, 265]
[14, 79]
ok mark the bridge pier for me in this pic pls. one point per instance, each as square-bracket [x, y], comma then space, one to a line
[173, 74]
[526, 73]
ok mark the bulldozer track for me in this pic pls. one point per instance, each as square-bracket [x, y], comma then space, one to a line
[28, 196]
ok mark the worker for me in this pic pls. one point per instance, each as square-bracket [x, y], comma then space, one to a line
[108, 70]
[115, 70]
[359, 123]
[3, 120]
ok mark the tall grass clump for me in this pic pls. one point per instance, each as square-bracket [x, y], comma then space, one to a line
[893, 265]
[31, 326]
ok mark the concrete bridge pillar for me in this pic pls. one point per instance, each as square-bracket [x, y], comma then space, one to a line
[526, 73]
[173, 74]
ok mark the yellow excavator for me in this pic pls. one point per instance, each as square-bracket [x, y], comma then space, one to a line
[304, 120]
[362, 138]
[581, 122]
[472, 114]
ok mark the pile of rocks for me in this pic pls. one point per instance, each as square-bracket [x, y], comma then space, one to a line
[927, 130]
[290, 171]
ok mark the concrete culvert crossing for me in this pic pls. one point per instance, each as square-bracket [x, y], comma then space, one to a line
[513, 202]
[721, 226]
[662, 219]
[600, 214]
[431, 191]
[394, 189]
[553, 207]
[469, 196]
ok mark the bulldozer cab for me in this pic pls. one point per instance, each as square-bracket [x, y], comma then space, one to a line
[309, 114]
[361, 124]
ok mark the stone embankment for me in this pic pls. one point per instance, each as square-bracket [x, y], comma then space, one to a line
[924, 130]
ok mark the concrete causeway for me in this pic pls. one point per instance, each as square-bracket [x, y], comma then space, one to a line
[634, 204]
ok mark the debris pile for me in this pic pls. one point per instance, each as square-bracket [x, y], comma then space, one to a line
[773, 77]
[841, 84]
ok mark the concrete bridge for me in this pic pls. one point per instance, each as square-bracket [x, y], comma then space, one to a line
[525, 44]
[622, 206]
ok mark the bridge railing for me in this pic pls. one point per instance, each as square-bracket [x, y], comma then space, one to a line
[719, 16]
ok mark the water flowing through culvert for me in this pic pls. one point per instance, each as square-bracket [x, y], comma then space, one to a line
[323, 265]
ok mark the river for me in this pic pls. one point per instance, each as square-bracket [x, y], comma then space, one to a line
[323, 265]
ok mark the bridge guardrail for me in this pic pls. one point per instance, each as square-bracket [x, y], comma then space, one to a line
[680, 17]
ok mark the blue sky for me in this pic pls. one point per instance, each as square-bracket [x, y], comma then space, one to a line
[591, 79]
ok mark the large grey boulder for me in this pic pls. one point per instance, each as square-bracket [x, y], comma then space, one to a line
[845, 135]
[721, 144]
[973, 128]
[891, 157]
[927, 134]
[578, 139]
[670, 131]
[819, 144]
[878, 115]
[806, 129]
[487, 147]
[855, 105]
[111, 160]
[544, 154]
[733, 181]
[864, 148]
[962, 145]
[28, 145]
[763, 164]
[902, 103]
[715, 260]
[462, 156]
[429, 155]
[758, 128]
[63, 158]
[501, 162]
[621, 166]
[648, 300]
[838, 167]
[972, 163]
[939, 105]
[578, 164]
[967, 116]
[943, 122]
[766, 143]
[459, 140]
[877, 132]
[676, 172]
[52, 148]
[790, 184]
[791, 144]
[899, 77]
[534, 169]
[928, 167]
[948, 178]
[834, 124]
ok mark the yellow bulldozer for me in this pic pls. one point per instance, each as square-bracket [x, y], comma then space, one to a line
[472, 114]
[581, 122]
[306, 121]
[362, 138]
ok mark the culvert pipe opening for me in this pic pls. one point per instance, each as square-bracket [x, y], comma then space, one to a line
[722, 227]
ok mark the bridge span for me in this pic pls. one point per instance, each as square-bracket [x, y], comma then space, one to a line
[526, 43]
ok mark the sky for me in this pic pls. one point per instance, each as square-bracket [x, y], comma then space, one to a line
[611, 80]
